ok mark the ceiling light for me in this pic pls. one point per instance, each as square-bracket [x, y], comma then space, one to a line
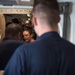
[26, 0]
[28, 15]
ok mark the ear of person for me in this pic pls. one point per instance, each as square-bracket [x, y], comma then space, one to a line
[34, 20]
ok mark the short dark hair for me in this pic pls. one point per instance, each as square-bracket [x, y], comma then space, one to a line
[46, 9]
[15, 20]
[52, 4]
[8, 23]
[13, 30]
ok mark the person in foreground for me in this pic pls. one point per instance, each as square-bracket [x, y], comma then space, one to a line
[49, 54]
[10, 43]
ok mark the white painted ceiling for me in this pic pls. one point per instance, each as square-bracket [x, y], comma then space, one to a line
[16, 2]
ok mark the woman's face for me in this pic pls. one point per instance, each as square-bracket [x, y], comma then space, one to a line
[26, 36]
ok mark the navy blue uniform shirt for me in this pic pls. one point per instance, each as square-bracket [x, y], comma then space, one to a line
[48, 55]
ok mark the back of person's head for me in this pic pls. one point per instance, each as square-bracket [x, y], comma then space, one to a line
[15, 20]
[14, 31]
[8, 23]
[47, 11]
